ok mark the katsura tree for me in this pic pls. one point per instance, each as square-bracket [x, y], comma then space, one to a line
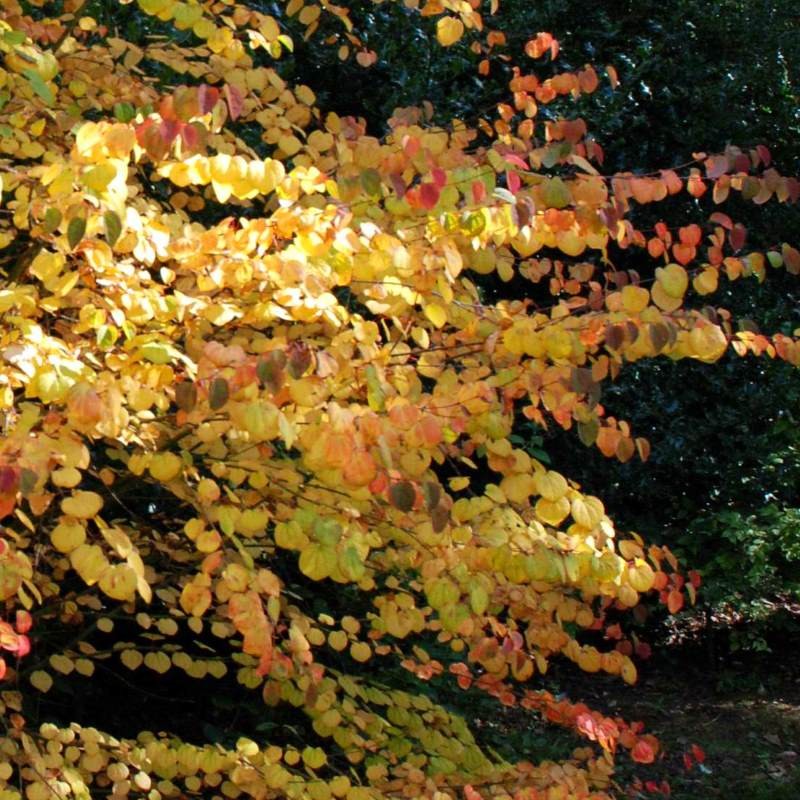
[263, 375]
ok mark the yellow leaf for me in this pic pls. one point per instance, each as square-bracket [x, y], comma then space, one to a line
[131, 658]
[664, 301]
[635, 299]
[628, 671]
[449, 30]
[317, 561]
[553, 512]
[360, 651]
[518, 488]
[83, 505]
[158, 661]
[118, 582]
[641, 576]
[550, 485]
[673, 279]
[437, 314]
[708, 343]
[66, 478]
[85, 667]
[89, 562]
[47, 266]
[165, 466]
[60, 663]
[41, 680]
[587, 511]
[289, 144]
[707, 281]
[314, 757]
[67, 536]
[208, 541]
[98, 178]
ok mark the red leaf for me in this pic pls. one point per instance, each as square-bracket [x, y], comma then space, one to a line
[439, 177]
[9, 480]
[514, 159]
[698, 753]
[207, 96]
[429, 195]
[190, 137]
[23, 646]
[716, 167]
[168, 130]
[398, 184]
[7, 503]
[721, 219]
[614, 632]
[737, 236]
[644, 651]
[513, 182]
[235, 101]
[478, 191]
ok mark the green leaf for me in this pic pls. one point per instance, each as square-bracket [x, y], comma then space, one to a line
[75, 231]
[157, 353]
[113, 227]
[52, 219]
[371, 182]
[14, 37]
[124, 112]
[556, 194]
[39, 86]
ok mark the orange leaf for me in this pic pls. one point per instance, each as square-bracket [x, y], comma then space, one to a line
[684, 253]
[643, 753]
[675, 601]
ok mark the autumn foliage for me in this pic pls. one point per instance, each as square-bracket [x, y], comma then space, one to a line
[261, 413]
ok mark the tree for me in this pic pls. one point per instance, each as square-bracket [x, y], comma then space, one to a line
[263, 375]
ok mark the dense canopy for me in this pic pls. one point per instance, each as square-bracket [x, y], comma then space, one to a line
[263, 373]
